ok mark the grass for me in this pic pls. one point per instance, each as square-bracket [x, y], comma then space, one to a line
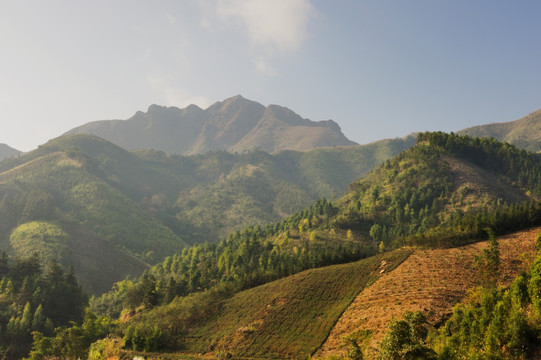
[291, 317]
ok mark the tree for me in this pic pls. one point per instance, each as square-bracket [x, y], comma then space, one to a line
[376, 232]
[354, 352]
[406, 339]
[488, 262]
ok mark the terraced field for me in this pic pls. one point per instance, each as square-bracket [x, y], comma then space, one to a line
[432, 281]
[291, 317]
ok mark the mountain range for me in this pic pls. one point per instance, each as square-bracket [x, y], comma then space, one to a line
[235, 124]
[237, 253]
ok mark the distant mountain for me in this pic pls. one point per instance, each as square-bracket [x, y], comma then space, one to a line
[524, 133]
[236, 124]
[7, 151]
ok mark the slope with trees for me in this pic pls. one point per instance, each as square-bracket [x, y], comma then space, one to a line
[143, 206]
[34, 298]
[461, 178]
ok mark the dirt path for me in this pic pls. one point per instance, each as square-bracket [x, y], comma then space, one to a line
[431, 281]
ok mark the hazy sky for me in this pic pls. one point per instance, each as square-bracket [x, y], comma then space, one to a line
[378, 68]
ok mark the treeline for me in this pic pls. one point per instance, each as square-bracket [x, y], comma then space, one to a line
[245, 259]
[463, 229]
[35, 299]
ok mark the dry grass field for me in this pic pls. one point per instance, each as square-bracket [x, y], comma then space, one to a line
[431, 281]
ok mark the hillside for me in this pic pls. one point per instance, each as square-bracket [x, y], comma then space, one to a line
[58, 204]
[314, 312]
[236, 124]
[444, 192]
[287, 318]
[524, 133]
[7, 151]
[431, 281]
[150, 205]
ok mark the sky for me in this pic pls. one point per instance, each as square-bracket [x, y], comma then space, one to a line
[380, 69]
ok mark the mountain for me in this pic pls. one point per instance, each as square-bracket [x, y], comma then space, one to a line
[108, 211]
[346, 267]
[236, 124]
[444, 192]
[524, 133]
[7, 151]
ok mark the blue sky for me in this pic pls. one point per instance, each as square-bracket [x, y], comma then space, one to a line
[380, 69]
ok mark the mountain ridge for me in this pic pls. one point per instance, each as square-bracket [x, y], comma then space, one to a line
[524, 132]
[235, 124]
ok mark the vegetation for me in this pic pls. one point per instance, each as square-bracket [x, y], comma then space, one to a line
[245, 259]
[33, 299]
[443, 192]
[284, 318]
[405, 339]
[149, 205]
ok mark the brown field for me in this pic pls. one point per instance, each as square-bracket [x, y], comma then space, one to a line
[431, 281]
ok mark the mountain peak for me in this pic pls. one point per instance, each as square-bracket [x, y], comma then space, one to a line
[234, 124]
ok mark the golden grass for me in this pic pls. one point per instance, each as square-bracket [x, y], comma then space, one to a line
[431, 281]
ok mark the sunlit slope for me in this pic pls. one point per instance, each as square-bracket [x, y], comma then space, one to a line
[97, 262]
[287, 318]
[442, 179]
[431, 281]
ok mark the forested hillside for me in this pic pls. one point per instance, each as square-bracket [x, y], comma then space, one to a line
[108, 212]
[448, 190]
[443, 192]
[35, 298]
